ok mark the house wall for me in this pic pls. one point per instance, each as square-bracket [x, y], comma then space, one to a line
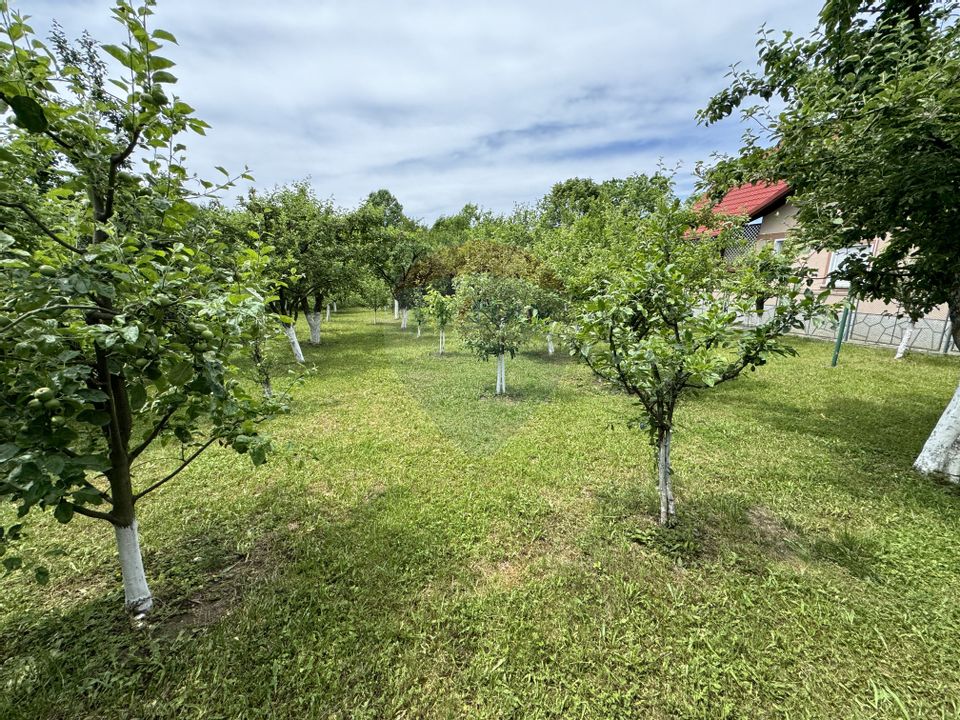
[872, 321]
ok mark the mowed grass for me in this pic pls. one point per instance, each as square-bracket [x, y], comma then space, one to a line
[420, 549]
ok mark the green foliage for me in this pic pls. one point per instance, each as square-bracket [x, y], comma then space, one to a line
[863, 116]
[118, 322]
[574, 239]
[493, 313]
[439, 308]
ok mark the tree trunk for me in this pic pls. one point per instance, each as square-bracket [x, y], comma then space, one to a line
[334, 305]
[328, 312]
[550, 343]
[905, 340]
[501, 375]
[667, 506]
[291, 332]
[403, 319]
[313, 322]
[136, 592]
[262, 372]
[443, 340]
[396, 309]
[941, 452]
[419, 331]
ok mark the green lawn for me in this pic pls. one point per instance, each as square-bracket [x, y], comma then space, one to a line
[420, 549]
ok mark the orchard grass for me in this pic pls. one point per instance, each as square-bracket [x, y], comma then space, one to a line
[420, 548]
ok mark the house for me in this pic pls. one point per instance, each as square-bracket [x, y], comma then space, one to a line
[771, 218]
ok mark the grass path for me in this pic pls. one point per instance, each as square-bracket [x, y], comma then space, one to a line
[420, 549]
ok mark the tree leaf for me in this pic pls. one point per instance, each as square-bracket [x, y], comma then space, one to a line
[63, 512]
[29, 113]
[180, 373]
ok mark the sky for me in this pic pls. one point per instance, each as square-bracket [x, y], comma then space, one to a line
[443, 102]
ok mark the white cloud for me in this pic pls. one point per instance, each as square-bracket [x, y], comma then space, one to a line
[446, 103]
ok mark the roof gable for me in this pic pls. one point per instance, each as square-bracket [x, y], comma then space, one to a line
[753, 200]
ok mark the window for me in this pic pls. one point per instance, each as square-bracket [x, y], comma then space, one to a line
[840, 256]
[778, 246]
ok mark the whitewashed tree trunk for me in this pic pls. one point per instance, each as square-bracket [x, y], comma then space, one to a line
[136, 592]
[403, 318]
[905, 340]
[313, 322]
[941, 452]
[501, 375]
[328, 312]
[419, 330]
[443, 340]
[667, 505]
[291, 333]
[550, 347]
[396, 309]
[334, 305]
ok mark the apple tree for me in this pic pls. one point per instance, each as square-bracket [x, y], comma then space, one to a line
[117, 327]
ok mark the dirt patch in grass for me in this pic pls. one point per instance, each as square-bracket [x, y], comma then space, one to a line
[224, 591]
[771, 531]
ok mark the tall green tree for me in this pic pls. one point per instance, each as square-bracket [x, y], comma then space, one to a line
[392, 247]
[861, 120]
[117, 327]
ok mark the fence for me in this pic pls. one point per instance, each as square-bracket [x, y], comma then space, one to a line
[883, 330]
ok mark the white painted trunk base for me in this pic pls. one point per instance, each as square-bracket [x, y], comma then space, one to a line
[667, 505]
[419, 331]
[313, 322]
[941, 452]
[443, 340]
[334, 305]
[136, 593]
[396, 309]
[291, 334]
[550, 347]
[403, 318]
[501, 375]
[328, 312]
[905, 341]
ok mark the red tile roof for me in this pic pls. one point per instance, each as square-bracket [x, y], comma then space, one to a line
[752, 200]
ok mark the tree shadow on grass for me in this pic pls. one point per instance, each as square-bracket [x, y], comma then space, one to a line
[750, 537]
[870, 443]
[340, 592]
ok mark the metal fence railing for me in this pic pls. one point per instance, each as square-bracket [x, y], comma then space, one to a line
[932, 335]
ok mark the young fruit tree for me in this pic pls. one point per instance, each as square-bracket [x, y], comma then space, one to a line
[374, 293]
[862, 114]
[494, 318]
[670, 326]
[441, 309]
[549, 312]
[419, 316]
[116, 330]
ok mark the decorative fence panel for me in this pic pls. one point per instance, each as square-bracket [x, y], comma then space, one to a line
[883, 330]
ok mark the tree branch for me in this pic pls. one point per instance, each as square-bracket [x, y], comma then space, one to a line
[39, 223]
[157, 429]
[176, 472]
[116, 160]
[83, 510]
